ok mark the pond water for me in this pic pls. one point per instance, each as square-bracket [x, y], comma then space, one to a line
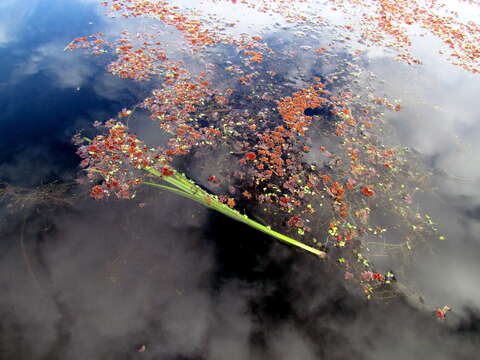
[161, 277]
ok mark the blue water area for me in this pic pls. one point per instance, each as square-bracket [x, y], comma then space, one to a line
[46, 94]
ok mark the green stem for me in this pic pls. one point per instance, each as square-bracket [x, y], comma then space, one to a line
[177, 180]
[186, 188]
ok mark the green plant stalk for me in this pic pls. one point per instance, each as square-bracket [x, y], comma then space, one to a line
[188, 189]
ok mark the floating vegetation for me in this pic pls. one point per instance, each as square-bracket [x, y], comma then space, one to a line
[308, 151]
[55, 194]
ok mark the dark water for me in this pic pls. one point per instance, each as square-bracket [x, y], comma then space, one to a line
[47, 94]
[98, 280]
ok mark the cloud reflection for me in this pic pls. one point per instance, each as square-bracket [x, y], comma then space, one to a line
[109, 277]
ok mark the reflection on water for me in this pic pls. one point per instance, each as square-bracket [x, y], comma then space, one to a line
[46, 94]
[104, 279]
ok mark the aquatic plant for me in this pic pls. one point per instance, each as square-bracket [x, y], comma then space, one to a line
[17, 198]
[359, 199]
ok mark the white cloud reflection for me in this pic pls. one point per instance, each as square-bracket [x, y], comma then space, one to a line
[11, 25]
[117, 275]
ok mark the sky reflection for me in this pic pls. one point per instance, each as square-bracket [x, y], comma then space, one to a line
[107, 277]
